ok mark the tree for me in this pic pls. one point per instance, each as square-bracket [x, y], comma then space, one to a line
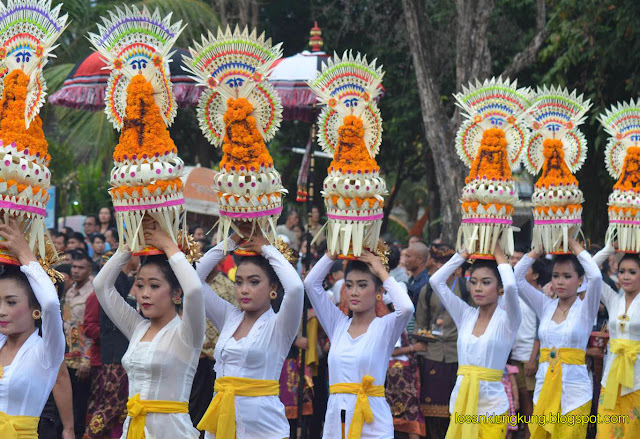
[472, 35]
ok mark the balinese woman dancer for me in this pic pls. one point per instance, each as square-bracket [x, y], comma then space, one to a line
[563, 385]
[254, 340]
[621, 378]
[361, 346]
[163, 348]
[29, 363]
[485, 337]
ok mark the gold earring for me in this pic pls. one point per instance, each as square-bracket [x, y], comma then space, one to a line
[378, 296]
[273, 294]
[36, 314]
[176, 300]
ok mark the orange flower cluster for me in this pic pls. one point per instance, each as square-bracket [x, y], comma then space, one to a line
[12, 123]
[351, 154]
[359, 201]
[163, 185]
[564, 210]
[21, 187]
[555, 171]
[143, 131]
[630, 177]
[492, 159]
[243, 145]
[472, 206]
[625, 211]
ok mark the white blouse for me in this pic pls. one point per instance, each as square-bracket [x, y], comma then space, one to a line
[490, 350]
[350, 359]
[573, 332]
[162, 369]
[27, 382]
[261, 353]
[616, 304]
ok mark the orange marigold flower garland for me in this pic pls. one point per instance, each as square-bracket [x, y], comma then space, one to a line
[243, 146]
[555, 171]
[144, 131]
[491, 161]
[352, 156]
[12, 123]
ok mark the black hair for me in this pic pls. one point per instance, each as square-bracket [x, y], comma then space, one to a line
[78, 237]
[577, 266]
[80, 255]
[394, 257]
[491, 265]
[115, 234]
[95, 236]
[262, 263]
[363, 268]
[162, 263]
[12, 272]
[633, 257]
[112, 217]
[521, 249]
[336, 267]
[95, 217]
[541, 267]
[64, 268]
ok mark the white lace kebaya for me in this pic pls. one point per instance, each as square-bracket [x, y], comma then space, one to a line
[259, 355]
[351, 359]
[162, 369]
[26, 383]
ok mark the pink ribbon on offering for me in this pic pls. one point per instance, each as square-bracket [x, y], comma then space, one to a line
[558, 221]
[488, 220]
[274, 211]
[356, 218]
[632, 222]
[22, 208]
[149, 206]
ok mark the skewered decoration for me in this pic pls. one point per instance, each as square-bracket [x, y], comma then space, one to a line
[622, 157]
[29, 30]
[145, 179]
[490, 142]
[559, 149]
[350, 128]
[241, 111]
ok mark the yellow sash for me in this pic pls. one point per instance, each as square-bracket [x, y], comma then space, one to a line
[362, 412]
[220, 417]
[312, 352]
[467, 400]
[621, 372]
[137, 410]
[551, 392]
[18, 427]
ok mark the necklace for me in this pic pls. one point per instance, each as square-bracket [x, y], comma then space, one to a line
[564, 311]
[1, 372]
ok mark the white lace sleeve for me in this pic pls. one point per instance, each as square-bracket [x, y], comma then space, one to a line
[47, 296]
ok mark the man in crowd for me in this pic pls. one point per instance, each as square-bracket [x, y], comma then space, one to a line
[59, 241]
[77, 358]
[287, 229]
[75, 241]
[315, 225]
[416, 265]
[112, 238]
[439, 363]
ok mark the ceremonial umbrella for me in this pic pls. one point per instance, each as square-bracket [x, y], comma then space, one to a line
[290, 77]
[85, 86]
